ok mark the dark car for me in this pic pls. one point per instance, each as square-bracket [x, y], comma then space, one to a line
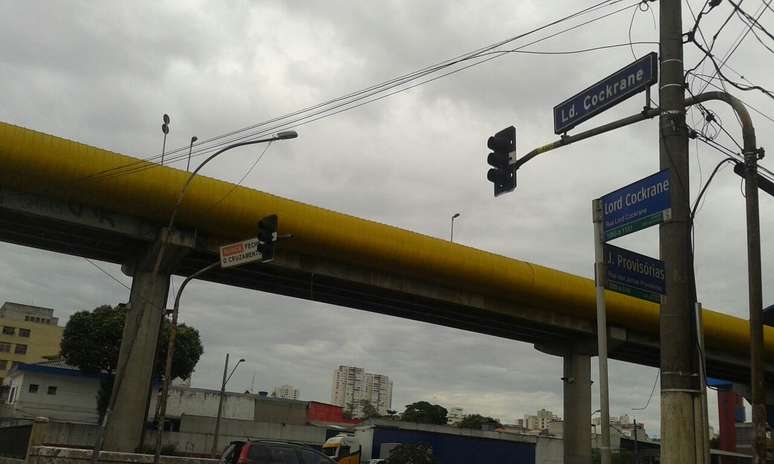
[271, 452]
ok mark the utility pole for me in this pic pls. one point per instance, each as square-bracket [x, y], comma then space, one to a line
[214, 451]
[679, 382]
[636, 445]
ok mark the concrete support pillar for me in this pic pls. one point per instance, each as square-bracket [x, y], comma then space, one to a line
[576, 430]
[138, 349]
[577, 408]
[147, 304]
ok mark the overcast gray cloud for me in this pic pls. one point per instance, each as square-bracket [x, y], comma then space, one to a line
[103, 75]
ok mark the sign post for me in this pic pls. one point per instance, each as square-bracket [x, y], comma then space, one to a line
[634, 207]
[599, 278]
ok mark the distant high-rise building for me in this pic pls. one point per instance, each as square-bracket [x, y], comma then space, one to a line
[352, 385]
[287, 392]
[28, 334]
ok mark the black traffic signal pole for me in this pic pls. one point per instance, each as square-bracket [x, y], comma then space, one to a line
[753, 180]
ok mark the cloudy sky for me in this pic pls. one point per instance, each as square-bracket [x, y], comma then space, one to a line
[104, 76]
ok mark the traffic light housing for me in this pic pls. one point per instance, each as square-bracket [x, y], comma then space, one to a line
[503, 145]
[763, 183]
[267, 236]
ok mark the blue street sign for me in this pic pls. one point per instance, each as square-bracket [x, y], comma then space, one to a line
[637, 206]
[634, 274]
[606, 93]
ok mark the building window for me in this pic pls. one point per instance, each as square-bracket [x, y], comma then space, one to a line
[3, 365]
[20, 349]
[34, 388]
[5, 347]
[24, 332]
[9, 330]
[26, 318]
[52, 390]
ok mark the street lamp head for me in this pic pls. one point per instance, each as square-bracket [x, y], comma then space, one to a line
[456, 215]
[241, 360]
[284, 135]
[194, 139]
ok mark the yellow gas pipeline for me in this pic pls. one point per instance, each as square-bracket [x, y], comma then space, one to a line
[40, 163]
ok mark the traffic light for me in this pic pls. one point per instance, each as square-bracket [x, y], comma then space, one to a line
[763, 183]
[267, 236]
[502, 144]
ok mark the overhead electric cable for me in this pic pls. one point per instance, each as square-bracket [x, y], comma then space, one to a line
[361, 95]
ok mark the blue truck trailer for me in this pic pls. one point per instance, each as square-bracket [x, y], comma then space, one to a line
[452, 445]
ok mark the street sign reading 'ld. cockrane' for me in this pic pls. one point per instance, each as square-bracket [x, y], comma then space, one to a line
[637, 206]
[634, 274]
[606, 93]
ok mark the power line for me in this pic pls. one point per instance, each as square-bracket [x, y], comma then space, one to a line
[108, 274]
[705, 78]
[348, 101]
[737, 43]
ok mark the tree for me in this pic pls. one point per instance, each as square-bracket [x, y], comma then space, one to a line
[423, 412]
[412, 453]
[479, 422]
[369, 410]
[91, 342]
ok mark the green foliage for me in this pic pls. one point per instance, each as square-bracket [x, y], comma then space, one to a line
[412, 453]
[425, 413]
[369, 410]
[478, 422]
[188, 350]
[92, 340]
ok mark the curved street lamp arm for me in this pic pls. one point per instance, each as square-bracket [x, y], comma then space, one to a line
[233, 370]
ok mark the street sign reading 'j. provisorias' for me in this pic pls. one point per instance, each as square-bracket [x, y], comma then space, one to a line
[633, 274]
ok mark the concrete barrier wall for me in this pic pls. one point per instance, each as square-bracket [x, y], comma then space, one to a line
[549, 450]
[71, 434]
[196, 434]
[55, 455]
[4, 460]
[14, 440]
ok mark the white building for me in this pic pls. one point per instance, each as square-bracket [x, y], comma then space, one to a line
[287, 392]
[352, 385]
[541, 421]
[52, 389]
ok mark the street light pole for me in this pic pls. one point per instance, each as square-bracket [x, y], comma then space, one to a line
[165, 130]
[220, 402]
[168, 362]
[190, 149]
[451, 234]
[285, 135]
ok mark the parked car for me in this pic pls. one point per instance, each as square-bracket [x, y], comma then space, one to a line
[271, 452]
